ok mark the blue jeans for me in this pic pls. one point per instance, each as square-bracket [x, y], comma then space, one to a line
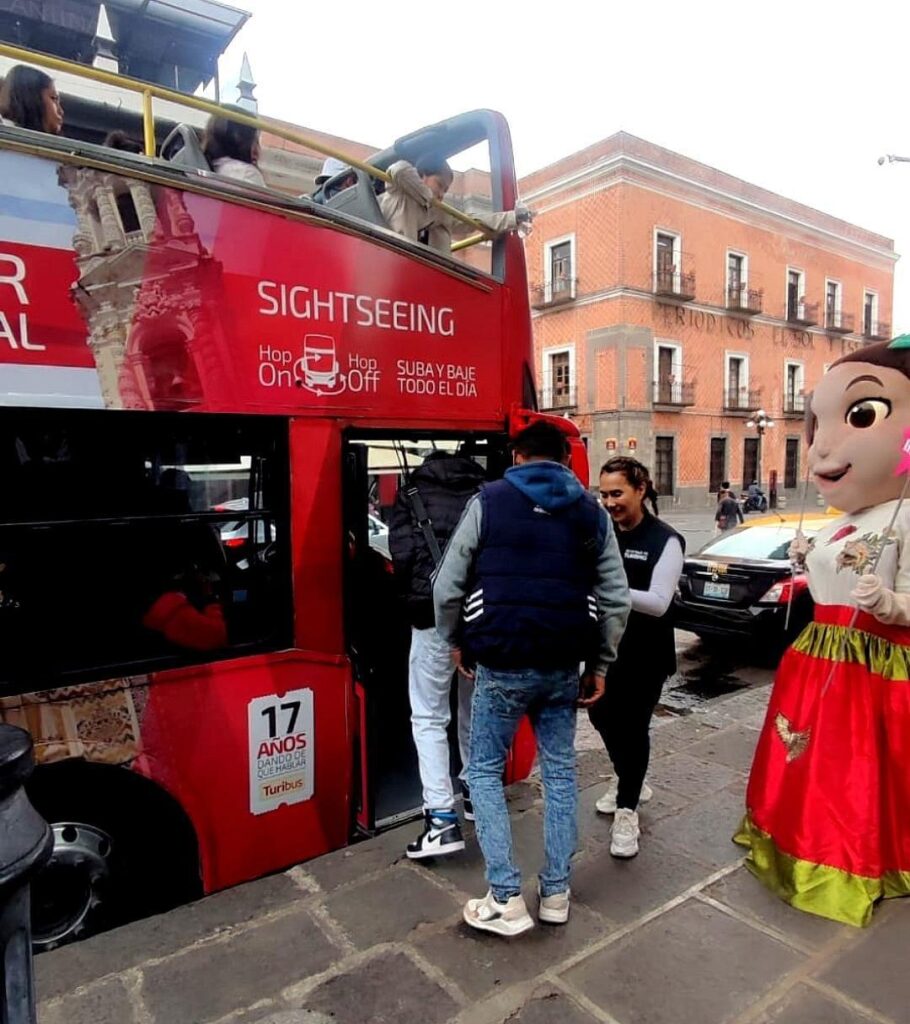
[500, 701]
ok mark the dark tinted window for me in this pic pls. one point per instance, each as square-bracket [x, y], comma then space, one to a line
[131, 541]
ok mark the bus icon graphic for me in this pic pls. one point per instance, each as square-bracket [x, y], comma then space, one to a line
[318, 370]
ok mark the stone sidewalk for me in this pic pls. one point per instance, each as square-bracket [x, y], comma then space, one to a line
[680, 934]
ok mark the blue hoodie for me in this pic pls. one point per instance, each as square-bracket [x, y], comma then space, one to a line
[551, 485]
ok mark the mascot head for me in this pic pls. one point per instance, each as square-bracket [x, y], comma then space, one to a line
[856, 423]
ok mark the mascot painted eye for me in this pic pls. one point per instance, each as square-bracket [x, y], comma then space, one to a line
[868, 412]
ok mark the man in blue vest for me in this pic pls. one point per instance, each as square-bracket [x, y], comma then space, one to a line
[531, 585]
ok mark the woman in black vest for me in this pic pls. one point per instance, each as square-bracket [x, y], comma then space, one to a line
[652, 554]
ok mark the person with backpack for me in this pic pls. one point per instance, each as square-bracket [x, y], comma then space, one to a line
[426, 512]
[531, 586]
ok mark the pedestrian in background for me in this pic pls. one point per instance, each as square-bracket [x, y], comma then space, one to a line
[729, 512]
[531, 585]
[652, 554]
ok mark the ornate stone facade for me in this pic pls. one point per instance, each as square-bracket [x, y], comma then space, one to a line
[148, 290]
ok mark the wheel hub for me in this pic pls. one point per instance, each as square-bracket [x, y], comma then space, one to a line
[71, 886]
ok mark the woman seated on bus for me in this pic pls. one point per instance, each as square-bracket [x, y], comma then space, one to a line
[188, 613]
[407, 205]
[28, 99]
[233, 149]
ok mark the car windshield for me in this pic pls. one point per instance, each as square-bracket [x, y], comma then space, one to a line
[769, 542]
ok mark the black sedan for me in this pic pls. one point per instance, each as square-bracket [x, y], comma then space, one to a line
[739, 584]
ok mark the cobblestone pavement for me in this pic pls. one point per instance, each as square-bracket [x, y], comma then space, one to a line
[682, 933]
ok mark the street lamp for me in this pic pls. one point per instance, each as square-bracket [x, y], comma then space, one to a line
[891, 158]
[761, 421]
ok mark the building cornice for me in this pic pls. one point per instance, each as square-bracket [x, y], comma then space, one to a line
[620, 168]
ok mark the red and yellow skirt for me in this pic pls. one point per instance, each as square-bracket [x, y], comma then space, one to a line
[828, 802]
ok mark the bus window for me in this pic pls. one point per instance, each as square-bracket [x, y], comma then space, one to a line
[146, 543]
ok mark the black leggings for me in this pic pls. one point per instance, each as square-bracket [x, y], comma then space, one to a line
[623, 719]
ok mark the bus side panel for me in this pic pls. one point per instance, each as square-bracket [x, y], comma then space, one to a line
[316, 534]
[198, 745]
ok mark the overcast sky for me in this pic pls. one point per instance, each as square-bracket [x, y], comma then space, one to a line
[800, 97]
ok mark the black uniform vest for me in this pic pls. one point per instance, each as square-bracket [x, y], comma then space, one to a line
[531, 601]
[648, 641]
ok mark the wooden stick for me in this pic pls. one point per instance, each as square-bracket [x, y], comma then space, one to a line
[799, 528]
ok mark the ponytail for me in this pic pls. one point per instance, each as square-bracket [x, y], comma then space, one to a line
[636, 473]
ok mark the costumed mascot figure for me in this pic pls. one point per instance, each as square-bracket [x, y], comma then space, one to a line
[828, 802]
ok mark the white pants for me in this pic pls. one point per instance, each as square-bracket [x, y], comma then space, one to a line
[430, 671]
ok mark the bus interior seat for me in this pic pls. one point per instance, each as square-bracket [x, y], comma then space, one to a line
[183, 149]
[359, 200]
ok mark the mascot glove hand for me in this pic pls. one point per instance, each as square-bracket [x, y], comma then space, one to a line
[886, 605]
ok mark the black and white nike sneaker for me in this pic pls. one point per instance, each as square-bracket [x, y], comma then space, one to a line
[441, 836]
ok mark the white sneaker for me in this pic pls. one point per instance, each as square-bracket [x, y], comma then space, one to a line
[509, 918]
[624, 837]
[607, 803]
[554, 909]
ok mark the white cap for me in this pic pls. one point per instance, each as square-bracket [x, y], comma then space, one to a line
[330, 168]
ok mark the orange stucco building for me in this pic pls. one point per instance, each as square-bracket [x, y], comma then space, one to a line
[673, 303]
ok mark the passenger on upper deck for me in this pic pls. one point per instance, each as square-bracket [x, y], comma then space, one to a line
[331, 168]
[407, 204]
[28, 99]
[120, 140]
[233, 149]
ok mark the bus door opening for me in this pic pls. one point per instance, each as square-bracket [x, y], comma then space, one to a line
[378, 628]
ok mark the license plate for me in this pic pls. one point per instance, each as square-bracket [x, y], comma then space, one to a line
[717, 590]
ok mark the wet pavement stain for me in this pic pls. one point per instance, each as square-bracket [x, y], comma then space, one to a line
[702, 677]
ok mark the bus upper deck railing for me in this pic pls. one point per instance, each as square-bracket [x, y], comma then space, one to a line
[149, 91]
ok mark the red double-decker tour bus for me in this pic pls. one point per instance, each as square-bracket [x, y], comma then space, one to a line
[209, 395]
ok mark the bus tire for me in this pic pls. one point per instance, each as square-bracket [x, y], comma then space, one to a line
[123, 849]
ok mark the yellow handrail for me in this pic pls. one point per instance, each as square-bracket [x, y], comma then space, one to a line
[149, 90]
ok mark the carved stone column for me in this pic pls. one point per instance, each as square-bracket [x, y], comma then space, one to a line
[110, 221]
[145, 208]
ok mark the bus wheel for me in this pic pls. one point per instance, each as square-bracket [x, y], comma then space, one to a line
[69, 891]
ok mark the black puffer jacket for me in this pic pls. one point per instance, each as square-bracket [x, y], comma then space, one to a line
[446, 483]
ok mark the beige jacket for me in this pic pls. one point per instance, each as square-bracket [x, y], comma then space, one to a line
[240, 170]
[407, 205]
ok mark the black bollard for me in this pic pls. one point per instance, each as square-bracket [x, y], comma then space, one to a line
[26, 842]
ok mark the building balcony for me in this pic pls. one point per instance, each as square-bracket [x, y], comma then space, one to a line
[676, 281]
[553, 293]
[743, 299]
[742, 400]
[838, 322]
[794, 406]
[877, 330]
[803, 313]
[674, 393]
[557, 397]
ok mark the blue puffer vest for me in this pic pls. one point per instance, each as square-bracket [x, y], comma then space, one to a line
[531, 602]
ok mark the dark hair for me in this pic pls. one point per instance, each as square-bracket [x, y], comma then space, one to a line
[893, 355]
[432, 163]
[223, 138]
[120, 140]
[20, 97]
[541, 440]
[636, 473]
